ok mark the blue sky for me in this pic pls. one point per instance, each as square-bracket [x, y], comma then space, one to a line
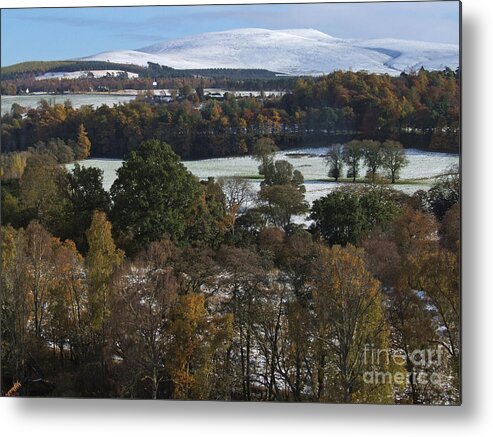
[64, 33]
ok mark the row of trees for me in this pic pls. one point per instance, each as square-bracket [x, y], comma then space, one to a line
[153, 195]
[420, 110]
[218, 295]
[389, 156]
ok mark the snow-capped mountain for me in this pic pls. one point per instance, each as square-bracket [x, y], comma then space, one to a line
[289, 51]
[407, 55]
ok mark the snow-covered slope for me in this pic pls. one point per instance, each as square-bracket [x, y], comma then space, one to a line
[414, 54]
[289, 51]
[124, 57]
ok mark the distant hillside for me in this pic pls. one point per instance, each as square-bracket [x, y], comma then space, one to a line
[152, 70]
[36, 68]
[243, 54]
[290, 51]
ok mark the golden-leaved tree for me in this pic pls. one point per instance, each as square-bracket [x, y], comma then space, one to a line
[83, 144]
[102, 261]
[349, 321]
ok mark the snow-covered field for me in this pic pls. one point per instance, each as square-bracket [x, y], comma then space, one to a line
[422, 165]
[79, 74]
[78, 100]
[289, 51]
[122, 96]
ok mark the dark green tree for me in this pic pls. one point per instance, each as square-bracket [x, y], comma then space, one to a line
[85, 195]
[281, 202]
[282, 173]
[153, 195]
[346, 215]
[208, 222]
[444, 193]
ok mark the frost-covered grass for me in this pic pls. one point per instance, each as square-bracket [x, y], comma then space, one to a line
[78, 100]
[419, 174]
[311, 163]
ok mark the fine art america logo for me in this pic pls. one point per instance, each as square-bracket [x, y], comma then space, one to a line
[423, 362]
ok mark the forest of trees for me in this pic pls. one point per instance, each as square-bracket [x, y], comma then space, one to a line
[173, 288]
[419, 110]
[165, 78]
[16, 78]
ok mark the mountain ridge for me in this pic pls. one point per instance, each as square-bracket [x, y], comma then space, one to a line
[302, 51]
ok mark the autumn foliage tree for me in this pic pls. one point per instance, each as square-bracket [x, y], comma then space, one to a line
[349, 321]
[146, 292]
[103, 258]
[83, 143]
